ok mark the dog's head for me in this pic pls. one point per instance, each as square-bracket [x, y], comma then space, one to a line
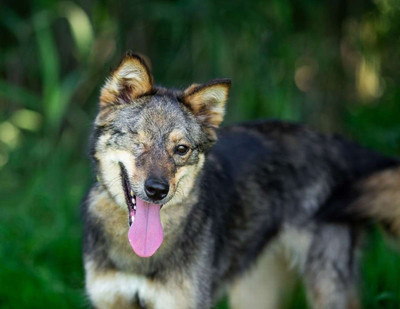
[149, 144]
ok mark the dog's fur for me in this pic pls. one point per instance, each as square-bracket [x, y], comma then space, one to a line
[242, 216]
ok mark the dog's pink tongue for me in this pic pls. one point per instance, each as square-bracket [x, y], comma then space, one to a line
[146, 233]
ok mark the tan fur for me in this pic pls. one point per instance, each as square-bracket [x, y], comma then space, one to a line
[176, 137]
[110, 171]
[380, 199]
[144, 140]
[108, 96]
[130, 80]
[274, 275]
[184, 180]
[114, 221]
[265, 285]
[207, 101]
[110, 288]
[293, 244]
[192, 88]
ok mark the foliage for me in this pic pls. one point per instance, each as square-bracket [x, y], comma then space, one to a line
[330, 64]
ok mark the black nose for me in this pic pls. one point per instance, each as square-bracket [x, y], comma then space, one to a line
[156, 189]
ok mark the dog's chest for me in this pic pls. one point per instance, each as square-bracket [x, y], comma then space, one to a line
[150, 294]
[173, 293]
[117, 289]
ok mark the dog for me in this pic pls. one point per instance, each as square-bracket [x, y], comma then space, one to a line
[183, 212]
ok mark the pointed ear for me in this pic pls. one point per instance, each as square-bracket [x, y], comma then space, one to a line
[128, 81]
[207, 101]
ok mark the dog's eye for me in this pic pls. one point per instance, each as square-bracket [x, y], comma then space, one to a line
[181, 150]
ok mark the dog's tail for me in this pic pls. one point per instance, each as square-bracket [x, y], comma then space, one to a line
[378, 199]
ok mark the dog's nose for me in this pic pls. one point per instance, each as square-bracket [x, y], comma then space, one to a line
[156, 189]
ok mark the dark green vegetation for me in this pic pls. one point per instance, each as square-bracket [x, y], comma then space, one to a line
[332, 64]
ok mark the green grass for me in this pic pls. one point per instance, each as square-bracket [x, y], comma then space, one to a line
[40, 235]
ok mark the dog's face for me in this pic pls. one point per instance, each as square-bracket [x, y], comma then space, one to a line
[150, 142]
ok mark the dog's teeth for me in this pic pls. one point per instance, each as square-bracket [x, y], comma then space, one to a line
[131, 193]
[133, 201]
[132, 219]
[134, 207]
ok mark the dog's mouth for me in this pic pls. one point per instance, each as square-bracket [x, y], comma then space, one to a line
[130, 197]
[145, 230]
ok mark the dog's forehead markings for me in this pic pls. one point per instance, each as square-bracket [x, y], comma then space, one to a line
[176, 135]
[152, 113]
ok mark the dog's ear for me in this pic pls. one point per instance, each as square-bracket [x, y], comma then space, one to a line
[207, 101]
[128, 81]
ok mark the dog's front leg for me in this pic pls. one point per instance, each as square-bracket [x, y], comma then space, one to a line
[110, 288]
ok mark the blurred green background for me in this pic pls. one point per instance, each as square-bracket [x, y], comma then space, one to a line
[332, 64]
